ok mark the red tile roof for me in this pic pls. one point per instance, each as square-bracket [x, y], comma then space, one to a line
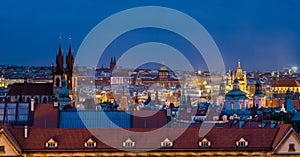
[284, 128]
[45, 116]
[286, 83]
[149, 119]
[31, 89]
[221, 138]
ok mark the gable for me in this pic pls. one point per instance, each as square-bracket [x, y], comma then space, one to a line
[6, 147]
[284, 146]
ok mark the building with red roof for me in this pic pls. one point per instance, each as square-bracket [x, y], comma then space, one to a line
[281, 86]
[281, 140]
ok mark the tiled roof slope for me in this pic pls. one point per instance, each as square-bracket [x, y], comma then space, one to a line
[221, 138]
[286, 83]
[45, 116]
[31, 89]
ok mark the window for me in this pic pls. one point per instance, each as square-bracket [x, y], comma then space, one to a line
[51, 143]
[23, 111]
[242, 142]
[166, 143]
[10, 112]
[232, 106]
[204, 143]
[2, 108]
[241, 106]
[128, 143]
[2, 149]
[292, 147]
[90, 143]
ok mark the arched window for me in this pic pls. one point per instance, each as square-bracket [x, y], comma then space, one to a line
[45, 100]
[28, 99]
[36, 100]
[57, 82]
[241, 106]
[232, 106]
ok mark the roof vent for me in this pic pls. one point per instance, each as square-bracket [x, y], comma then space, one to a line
[25, 131]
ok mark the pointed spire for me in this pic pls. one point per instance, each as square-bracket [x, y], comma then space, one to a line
[59, 58]
[70, 58]
[59, 46]
[112, 63]
[70, 48]
[239, 64]
[70, 64]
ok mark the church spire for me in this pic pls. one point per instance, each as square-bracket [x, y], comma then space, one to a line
[112, 63]
[239, 71]
[70, 58]
[70, 63]
[59, 59]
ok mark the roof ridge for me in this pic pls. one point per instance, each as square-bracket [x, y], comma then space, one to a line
[287, 129]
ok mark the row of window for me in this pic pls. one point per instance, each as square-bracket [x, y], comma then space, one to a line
[14, 112]
[232, 106]
[51, 143]
[90, 143]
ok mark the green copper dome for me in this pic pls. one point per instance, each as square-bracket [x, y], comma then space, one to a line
[64, 92]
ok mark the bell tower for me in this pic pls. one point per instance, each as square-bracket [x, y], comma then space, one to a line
[59, 71]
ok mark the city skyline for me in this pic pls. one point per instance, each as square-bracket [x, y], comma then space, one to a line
[260, 34]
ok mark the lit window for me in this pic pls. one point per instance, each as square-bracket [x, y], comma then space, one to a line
[241, 106]
[242, 143]
[204, 143]
[90, 143]
[232, 106]
[292, 147]
[128, 143]
[166, 143]
[51, 143]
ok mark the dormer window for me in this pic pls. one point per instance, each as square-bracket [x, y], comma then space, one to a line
[90, 143]
[292, 147]
[51, 143]
[242, 142]
[204, 143]
[128, 143]
[166, 143]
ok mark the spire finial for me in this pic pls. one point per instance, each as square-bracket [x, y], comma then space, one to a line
[59, 46]
[70, 40]
[70, 48]
[59, 37]
[239, 64]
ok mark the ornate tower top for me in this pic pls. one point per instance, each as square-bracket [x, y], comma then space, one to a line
[258, 88]
[64, 92]
[239, 71]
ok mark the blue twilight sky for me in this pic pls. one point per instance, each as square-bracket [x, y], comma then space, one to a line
[263, 34]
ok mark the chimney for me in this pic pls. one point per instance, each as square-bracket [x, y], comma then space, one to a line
[25, 131]
[32, 105]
